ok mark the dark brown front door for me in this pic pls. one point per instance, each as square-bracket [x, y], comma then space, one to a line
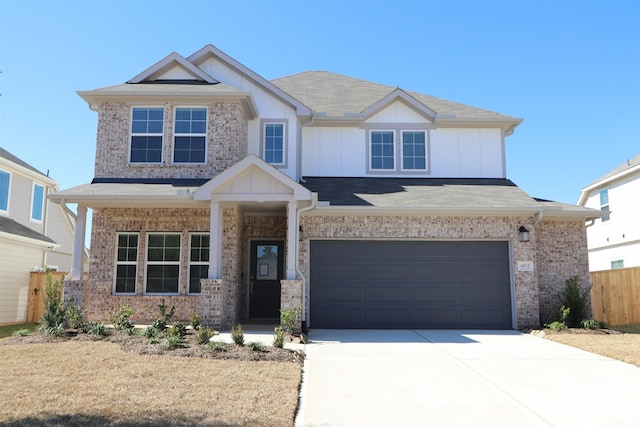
[267, 265]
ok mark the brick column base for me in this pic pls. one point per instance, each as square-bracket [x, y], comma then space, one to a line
[72, 291]
[212, 303]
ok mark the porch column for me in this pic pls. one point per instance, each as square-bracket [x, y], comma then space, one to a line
[292, 243]
[215, 241]
[77, 253]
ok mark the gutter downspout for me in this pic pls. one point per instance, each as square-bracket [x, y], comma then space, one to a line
[45, 215]
[538, 217]
[313, 205]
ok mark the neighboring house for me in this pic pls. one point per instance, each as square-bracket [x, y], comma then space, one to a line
[34, 234]
[368, 206]
[614, 239]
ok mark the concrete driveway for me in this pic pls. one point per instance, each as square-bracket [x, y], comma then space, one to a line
[461, 378]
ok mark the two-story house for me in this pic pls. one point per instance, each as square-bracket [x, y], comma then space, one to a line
[368, 206]
[614, 239]
[34, 234]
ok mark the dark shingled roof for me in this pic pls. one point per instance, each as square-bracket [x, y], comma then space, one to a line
[8, 225]
[419, 192]
[7, 155]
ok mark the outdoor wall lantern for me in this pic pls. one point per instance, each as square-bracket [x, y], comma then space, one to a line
[524, 234]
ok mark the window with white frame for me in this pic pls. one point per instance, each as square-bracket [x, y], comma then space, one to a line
[190, 135]
[126, 263]
[604, 203]
[619, 263]
[274, 142]
[414, 150]
[163, 263]
[5, 180]
[382, 150]
[37, 202]
[147, 127]
[198, 261]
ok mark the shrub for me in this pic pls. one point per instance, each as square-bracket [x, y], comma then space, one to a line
[289, 319]
[257, 346]
[237, 334]
[557, 326]
[558, 320]
[120, 319]
[96, 328]
[171, 342]
[576, 300]
[179, 328]
[278, 337]
[195, 321]
[53, 320]
[74, 315]
[20, 333]
[591, 324]
[203, 336]
[217, 345]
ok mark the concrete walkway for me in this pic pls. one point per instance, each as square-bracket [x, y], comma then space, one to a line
[461, 378]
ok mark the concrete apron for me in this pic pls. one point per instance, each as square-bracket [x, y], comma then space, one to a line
[461, 378]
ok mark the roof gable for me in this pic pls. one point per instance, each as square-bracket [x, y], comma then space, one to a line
[399, 95]
[173, 67]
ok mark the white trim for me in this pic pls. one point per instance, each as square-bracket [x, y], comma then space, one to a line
[132, 134]
[176, 134]
[426, 151]
[119, 263]
[147, 263]
[2, 211]
[285, 145]
[166, 63]
[370, 168]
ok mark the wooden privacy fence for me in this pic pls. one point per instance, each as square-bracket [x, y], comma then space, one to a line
[37, 282]
[615, 296]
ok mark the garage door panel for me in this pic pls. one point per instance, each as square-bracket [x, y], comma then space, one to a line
[454, 284]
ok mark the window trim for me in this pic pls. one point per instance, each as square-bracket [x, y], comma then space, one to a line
[161, 135]
[370, 151]
[147, 263]
[9, 176]
[118, 263]
[398, 129]
[176, 134]
[191, 262]
[426, 152]
[33, 203]
[285, 142]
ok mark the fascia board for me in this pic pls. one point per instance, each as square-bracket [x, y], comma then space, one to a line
[508, 125]
[28, 172]
[399, 95]
[27, 240]
[605, 181]
[168, 61]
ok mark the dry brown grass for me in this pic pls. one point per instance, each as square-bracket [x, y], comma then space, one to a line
[616, 345]
[97, 383]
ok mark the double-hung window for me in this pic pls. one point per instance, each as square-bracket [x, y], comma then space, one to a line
[604, 203]
[147, 126]
[163, 263]
[190, 135]
[274, 143]
[198, 261]
[414, 150]
[5, 180]
[37, 202]
[126, 263]
[382, 150]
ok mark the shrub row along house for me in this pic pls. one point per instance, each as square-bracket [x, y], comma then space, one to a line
[367, 206]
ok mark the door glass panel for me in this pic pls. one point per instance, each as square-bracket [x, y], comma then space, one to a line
[267, 262]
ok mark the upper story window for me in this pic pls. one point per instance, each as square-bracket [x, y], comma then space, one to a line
[274, 142]
[147, 126]
[384, 146]
[37, 202]
[190, 135]
[604, 203]
[5, 180]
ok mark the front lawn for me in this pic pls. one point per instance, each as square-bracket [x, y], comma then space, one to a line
[8, 330]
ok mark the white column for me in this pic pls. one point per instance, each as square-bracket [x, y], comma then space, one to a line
[215, 241]
[77, 254]
[292, 224]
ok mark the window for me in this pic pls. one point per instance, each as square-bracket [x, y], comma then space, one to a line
[190, 135]
[163, 263]
[5, 179]
[126, 263]
[617, 264]
[37, 202]
[198, 261]
[147, 125]
[604, 203]
[382, 150]
[273, 141]
[414, 152]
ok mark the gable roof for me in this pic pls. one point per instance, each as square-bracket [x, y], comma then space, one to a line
[627, 168]
[14, 229]
[164, 65]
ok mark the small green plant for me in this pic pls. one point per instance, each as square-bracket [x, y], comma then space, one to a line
[120, 319]
[74, 314]
[179, 328]
[237, 334]
[53, 320]
[289, 319]
[150, 332]
[20, 333]
[591, 324]
[257, 346]
[159, 324]
[171, 342]
[576, 300]
[217, 346]
[162, 312]
[203, 336]
[558, 320]
[153, 340]
[557, 326]
[195, 321]
[96, 328]
[278, 337]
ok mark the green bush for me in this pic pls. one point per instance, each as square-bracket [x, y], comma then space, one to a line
[557, 326]
[289, 319]
[53, 321]
[20, 333]
[217, 346]
[576, 300]
[591, 324]
[203, 336]
[74, 315]
[120, 319]
[237, 334]
[179, 328]
[195, 321]
[96, 328]
[257, 346]
[171, 342]
[558, 320]
[278, 337]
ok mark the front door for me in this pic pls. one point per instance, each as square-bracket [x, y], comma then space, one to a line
[266, 271]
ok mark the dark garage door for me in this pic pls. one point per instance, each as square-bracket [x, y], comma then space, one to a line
[408, 284]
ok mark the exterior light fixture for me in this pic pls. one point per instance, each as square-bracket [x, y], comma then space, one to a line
[524, 234]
